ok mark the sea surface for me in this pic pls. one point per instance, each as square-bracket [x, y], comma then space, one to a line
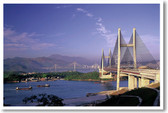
[61, 88]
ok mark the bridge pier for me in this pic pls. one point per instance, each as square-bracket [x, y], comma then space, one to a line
[139, 82]
[157, 78]
[135, 83]
[132, 82]
[144, 82]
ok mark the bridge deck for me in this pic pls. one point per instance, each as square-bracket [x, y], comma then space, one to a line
[146, 73]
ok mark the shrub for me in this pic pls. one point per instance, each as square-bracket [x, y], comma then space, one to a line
[44, 100]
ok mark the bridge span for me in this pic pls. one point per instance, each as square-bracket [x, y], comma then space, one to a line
[136, 77]
[132, 60]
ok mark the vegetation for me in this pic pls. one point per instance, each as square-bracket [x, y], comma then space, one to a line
[83, 76]
[117, 100]
[13, 76]
[44, 100]
[18, 76]
[147, 95]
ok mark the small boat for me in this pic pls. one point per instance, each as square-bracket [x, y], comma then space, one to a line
[97, 82]
[29, 88]
[46, 85]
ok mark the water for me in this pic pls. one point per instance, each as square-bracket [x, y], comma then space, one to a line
[61, 88]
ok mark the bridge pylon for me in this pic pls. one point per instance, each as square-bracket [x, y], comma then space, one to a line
[103, 73]
[122, 57]
[74, 66]
[133, 45]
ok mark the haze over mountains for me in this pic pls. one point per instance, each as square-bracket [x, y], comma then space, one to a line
[52, 63]
[43, 64]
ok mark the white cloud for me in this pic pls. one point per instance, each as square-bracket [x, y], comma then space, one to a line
[99, 19]
[89, 15]
[42, 46]
[110, 39]
[107, 35]
[82, 10]
[85, 12]
[101, 29]
[15, 45]
[23, 41]
[8, 32]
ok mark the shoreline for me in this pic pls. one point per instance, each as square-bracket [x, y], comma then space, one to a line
[91, 80]
[92, 99]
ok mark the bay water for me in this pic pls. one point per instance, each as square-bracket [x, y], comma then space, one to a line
[61, 88]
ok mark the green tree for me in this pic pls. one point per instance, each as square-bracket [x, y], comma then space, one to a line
[44, 100]
[44, 75]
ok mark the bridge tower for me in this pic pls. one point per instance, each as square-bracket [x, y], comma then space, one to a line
[55, 67]
[102, 63]
[134, 47]
[103, 73]
[74, 66]
[119, 53]
[131, 53]
[109, 58]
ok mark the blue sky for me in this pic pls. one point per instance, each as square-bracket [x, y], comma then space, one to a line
[34, 30]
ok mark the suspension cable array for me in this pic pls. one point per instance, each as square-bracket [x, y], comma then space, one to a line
[132, 55]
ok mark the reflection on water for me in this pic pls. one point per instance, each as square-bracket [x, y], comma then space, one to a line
[108, 86]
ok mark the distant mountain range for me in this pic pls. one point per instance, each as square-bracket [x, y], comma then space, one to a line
[54, 62]
[43, 64]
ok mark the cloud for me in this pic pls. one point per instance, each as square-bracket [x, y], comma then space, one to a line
[80, 9]
[15, 46]
[42, 46]
[100, 28]
[89, 15]
[8, 32]
[23, 41]
[152, 42]
[105, 33]
[85, 12]
[99, 19]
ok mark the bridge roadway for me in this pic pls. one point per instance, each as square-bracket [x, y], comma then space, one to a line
[145, 73]
[143, 76]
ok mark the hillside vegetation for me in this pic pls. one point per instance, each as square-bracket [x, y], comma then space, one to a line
[18, 76]
[83, 76]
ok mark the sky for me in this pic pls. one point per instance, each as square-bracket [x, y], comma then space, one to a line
[36, 30]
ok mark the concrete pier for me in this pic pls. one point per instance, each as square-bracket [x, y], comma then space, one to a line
[144, 82]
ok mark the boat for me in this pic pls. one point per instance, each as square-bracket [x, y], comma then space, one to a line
[46, 85]
[29, 88]
[98, 82]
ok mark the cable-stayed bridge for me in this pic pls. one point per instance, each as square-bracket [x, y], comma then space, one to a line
[133, 60]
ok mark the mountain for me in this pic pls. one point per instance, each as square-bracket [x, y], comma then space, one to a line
[69, 59]
[42, 64]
